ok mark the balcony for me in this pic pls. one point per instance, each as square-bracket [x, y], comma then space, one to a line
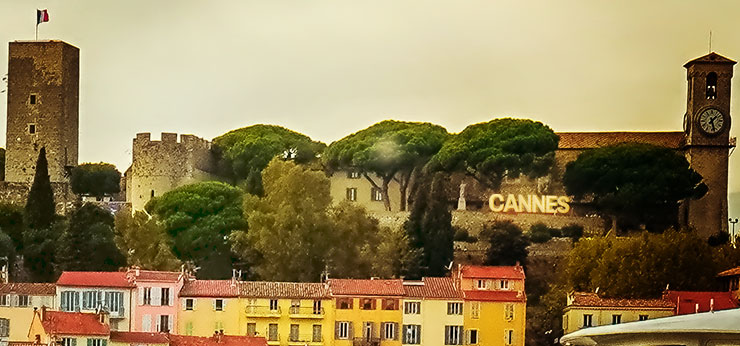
[262, 312]
[306, 312]
[366, 341]
[273, 339]
[121, 313]
[298, 340]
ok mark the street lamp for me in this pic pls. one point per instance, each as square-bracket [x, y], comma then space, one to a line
[732, 235]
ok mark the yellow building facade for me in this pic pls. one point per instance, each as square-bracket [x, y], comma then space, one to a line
[17, 304]
[208, 306]
[55, 328]
[432, 307]
[585, 310]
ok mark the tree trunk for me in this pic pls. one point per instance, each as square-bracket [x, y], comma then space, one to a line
[403, 185]
[384, 190]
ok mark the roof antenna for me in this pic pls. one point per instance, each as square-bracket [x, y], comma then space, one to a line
[710, 40]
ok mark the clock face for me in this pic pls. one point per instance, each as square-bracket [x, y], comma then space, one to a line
[711, 121]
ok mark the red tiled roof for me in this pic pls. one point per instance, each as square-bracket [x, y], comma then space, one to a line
[139, 338]
[359, 287]
[298, 290]
[730, 272]
[432, 288]
[495, 296]
[588, 140]
[73, 323]
[95, 279]
[31, 289]
[210, 288]
[492, 272]
[586, 299]
[20, 343]
[222, 340]
[686, 301]
[151, 275]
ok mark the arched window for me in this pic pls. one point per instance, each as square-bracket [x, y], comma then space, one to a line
[711, 86]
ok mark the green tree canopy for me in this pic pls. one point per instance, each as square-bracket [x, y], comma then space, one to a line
[11, 223]
[96, 179]
[507, 244]
[390, 149]
[199, 217]
[87, 244]
[144, 242]
[39, 212]
[500, 148]
[245, 152]
[642, 266]
[634, 182]
[7, 248]
[295, 233]
[429, 226]
[40, 251]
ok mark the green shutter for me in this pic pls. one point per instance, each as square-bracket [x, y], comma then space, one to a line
[89, 342]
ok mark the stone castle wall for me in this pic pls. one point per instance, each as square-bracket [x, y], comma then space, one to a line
[17, 194]
[159, 166]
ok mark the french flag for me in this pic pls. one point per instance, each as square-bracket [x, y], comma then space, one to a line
[41, 16]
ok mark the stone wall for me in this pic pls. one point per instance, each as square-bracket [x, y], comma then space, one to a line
[17, 194]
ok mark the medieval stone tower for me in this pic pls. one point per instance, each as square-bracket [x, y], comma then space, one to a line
[43, 97]
[707, 129]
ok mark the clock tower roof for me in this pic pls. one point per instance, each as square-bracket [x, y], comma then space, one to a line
[713, 58]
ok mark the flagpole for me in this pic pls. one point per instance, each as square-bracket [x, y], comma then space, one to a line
[37, 30]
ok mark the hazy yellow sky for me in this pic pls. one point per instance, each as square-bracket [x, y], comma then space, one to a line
[329, 68]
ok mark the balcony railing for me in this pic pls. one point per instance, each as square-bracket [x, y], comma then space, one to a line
[262, 311]
[304, 339]
[365, 341]
[306, 312]
[273, 339]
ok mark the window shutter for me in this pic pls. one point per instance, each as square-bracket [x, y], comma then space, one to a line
[214, 304]
[336, 330]
[223, 305]
[404, 337]
[105, 342]
[169, 324]
[146, 323]
[156, 296]
[63, 304]
[350, 333]
[76, 301]
[184, 303]
[141, 295]
[73, 342]
[89, 342]
[159, 324]
[85, 299]
[172, 297]
[396, 327]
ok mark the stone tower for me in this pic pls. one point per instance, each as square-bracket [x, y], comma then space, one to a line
[43, 97]
[707, 126]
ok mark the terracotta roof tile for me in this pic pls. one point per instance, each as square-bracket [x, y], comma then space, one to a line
[585, 299]
[223, 340]
[95, 279]
[588, 140]
[150, 275]
[495, 296]
[73, 323]
[432, 288]
[686, 301]
[210, 288]
[730, 272]
[492, 272]
[359, 287]
[139, 338]
[27, 288]
[298, 290]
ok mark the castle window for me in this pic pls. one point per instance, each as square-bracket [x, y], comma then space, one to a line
[711, 86]
[152, 193]
[32, 99]
[351, 194]
[31, 129]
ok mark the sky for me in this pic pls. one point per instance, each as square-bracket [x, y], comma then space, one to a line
[329, 68]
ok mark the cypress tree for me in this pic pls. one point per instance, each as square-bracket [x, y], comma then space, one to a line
[39, 211]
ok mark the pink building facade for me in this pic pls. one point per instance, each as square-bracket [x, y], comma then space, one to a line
[157, 295]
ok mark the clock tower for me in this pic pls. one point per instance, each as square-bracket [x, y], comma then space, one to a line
[707, 130]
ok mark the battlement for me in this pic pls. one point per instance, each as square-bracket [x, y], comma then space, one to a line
[169, 138]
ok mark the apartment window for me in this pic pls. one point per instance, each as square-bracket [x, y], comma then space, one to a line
[643, 317]
[218, 304]
[475, 310]
[147, 293]
[509, 336]
[454, 308]
[588, 320]
[412, 334]
[5, 299]
[453, 335]
[272, 332]
[344, 303]
[376, 194]
[317, 310]
[32, 99]
[390, 304]
[4, 327]
[189, 304]
[367, 304]
[69, 342]
[164, 324]
[31, 129]
[189, 328]
[114, 301]
[295, 306]
[351, 193]
[23, 300]
[616, 319]
[504, 285]
[294, 332]
[412, 308]
[316, 335]
[70, 301]
[165, 299]
[353, 175]
[91, 300]
[482, 284]
[273, 304]
[343, 330]
[389, 330]
[509, 312]
[97, 342]
[473, 336]
[251, 329]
